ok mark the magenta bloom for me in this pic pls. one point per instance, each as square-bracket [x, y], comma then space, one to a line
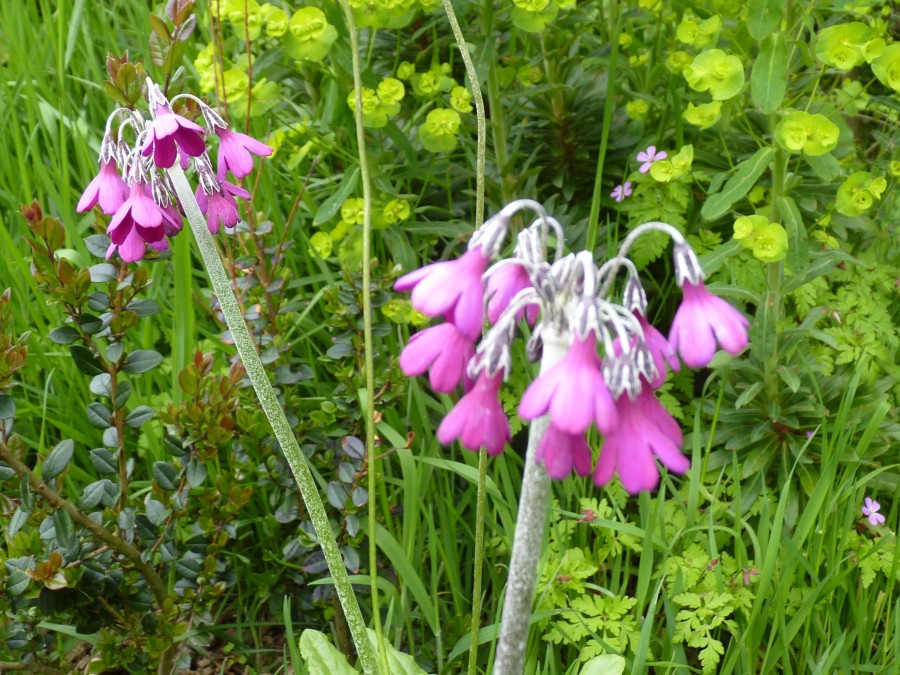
[662, 351]
[621, 191]
[221, 207]
[650, 156]
[478, 420]
[702, 320]
[562, 452]
[169, 133]
[574, 392]
[107, 189]
[443, 349]
[452, 288]
[137, 222]
[870, 511]
[235, 150]
[502, 286]
[646, 430]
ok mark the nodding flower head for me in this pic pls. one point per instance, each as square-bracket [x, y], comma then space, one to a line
[561, 452]
[702, 321]
[220, 207]
[452, 288]
[443, 350]
[236, 152]
[502, 286]
[170, 132]
[107, 189]
[478, 420]
[138, 221]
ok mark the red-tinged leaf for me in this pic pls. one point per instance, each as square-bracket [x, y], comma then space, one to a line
[179, 10]
[183, 32]
[160, 29]
[158, 50]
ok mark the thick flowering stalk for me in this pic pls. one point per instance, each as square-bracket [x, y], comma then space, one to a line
[149, 208]
[601, 363]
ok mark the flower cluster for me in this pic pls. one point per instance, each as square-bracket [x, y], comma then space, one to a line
[133, 187]
[569, 302]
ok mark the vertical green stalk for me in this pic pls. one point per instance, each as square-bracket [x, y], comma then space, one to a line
[611, 76]
[183, 326]
[529, 536]
[479, 219]
[221, 284]
[367, 328]
[775, 271]
[498, 123]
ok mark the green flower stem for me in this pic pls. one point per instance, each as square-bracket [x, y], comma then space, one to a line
[775, 271]
[371, 457]
[529, 536]
[221, 284]
[117, 544]
[481, 500]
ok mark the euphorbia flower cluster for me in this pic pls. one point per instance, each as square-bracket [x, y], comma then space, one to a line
[132, 185]
[613, 362]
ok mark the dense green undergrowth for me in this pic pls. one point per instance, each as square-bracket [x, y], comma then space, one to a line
[780, 122]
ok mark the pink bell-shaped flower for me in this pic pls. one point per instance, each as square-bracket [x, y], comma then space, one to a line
[502, 286]
[444, 350]
[170, 132]
[221, 207]
[478, 420]
[107, 189]
[702, 321]
[235, 153]
[561, 452]
[137, 222]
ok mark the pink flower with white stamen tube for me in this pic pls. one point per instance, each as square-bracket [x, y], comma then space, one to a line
[170, 132]
[107, 189]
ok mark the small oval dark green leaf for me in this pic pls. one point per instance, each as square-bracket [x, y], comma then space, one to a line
[58, 459]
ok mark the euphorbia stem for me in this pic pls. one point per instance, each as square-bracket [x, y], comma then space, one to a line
[529, 536]
[275, 413]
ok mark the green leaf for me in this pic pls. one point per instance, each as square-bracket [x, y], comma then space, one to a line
[713, 260]
[762, 332]
[144, 307]
[19, 518]
[102, 272]
[85, 360]
[322, 657]
[140, 415]
[62, 525]
[103, 461]
[166, 475]
[768, 80]
[7, 407]
[399, 663]
[196, 473]
[97, 244]
[64, 335]
[17, 583]
[141, 360]
[748, 395]
[764, 17]
[98, 415]
[101, 385]
[99, 492]
[333, 204]
[798, 247]
[58, 459]
[743, 180]
[605, 664]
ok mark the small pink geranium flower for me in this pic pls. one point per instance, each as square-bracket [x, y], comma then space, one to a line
[478, 420]
[573, 391]
[561, 452]
[702, 321]
[870, 511]
[443, 350]
[107, 189]
[649, 156]
[620, 192]
[235, 153]
[646, 432]
[452, 288]
[170, 132]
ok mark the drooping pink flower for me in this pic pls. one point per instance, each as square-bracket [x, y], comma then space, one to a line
[620, 192]
[702, 321]
[107, 189]
[235, 153]
[170, 132]
[562, 452]
[221, 207]
[478, 420]
[646, 431]
[444, 350]
[137, 222]
[573, 391]
[649, 156]
[502, 286]
[452, 288]
[662, 352]
[870, 511]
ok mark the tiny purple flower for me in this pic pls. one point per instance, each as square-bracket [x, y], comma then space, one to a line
[452, 288]
[502, 286]
[573, 391]
[107, 189]
[478, 420]
[870, 511]
[620, 192]
[444, 350]
[702, 320]
[220, 207]
[170, 132]
[562, 452]
[646, 430]
[649, 156]
[235, 151]
[137, 222]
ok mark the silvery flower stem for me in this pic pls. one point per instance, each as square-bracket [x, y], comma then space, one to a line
[221, 284]
[529, 536]
[652, 226]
